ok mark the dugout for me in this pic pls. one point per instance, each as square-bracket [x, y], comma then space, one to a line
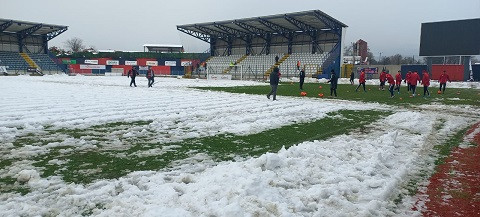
[300, 32]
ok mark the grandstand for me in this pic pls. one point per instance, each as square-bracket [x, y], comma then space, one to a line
[13, 60]
[24, 46]
[311, 37]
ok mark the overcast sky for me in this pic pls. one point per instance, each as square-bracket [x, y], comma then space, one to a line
[389, 26]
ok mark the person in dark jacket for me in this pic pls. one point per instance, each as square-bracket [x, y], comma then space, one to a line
[302, 78]
[150, 76]
[352, 77]
[276, 59]
[132, 74]
[274, 79]
[333, 83]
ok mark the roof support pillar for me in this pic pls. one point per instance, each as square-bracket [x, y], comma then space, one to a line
[20, 43]
[290, 42]
[229, 45]
[213, 46]
[268, 42]
[314, 43]
[248, 49]
[45, 44]
[25, 33]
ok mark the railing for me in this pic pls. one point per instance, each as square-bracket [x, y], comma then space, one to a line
[26, 72]
[252, 72]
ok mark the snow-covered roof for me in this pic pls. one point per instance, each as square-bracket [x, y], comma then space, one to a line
[163, 45]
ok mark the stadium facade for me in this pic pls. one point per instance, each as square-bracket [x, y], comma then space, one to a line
[307, 32]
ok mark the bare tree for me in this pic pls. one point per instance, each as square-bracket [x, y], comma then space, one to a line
[75, 44]
[371, 58]
[348, 50]
[408, 60]
[396, 59]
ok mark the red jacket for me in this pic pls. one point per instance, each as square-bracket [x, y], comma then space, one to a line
[398, 78]
[390, 79]
[444, 78]
[426, 79]
[362, 77]
[414, 79]
[150, 73]
[382, 76]
[407, 77]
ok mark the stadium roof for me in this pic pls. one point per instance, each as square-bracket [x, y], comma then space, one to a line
[163, 45]
[25, 29]
[280, 24]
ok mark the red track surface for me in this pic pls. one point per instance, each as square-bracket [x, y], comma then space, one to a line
[455, 189]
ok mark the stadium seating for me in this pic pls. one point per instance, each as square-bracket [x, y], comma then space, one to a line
[259, 64]
[311, 62]
[13, 60]
[220, 64]
[16, 62]
[44, 62]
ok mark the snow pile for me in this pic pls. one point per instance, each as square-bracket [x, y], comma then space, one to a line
[358, 174]
[27, 175]
[351, 175]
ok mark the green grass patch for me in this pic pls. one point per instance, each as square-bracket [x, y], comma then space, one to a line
[444, 150]
[8, 185]
[143, 155]
[347, 92]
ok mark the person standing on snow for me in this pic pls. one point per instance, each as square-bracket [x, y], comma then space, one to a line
[425, 83]
[361, 81]
[414, 79]
[398, 81]
[274, 80]
[333, 83]
[391, 83]
[132, 73]
[150, 76]
[443, 81]
[382, 80]
[302, 78]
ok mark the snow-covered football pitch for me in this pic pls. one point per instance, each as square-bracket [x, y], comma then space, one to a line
[93, 146]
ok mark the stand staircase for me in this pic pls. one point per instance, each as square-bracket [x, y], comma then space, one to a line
[280, 61]
[236, 63]
[32, 63]
[29, 60]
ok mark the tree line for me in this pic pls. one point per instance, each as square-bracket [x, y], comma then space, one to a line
[73, 45]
